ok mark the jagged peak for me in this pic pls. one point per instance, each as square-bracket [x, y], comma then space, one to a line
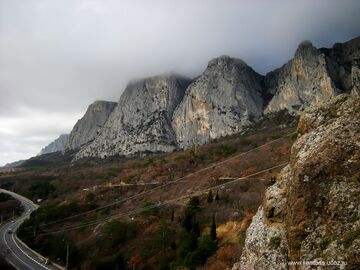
[225, 60]
[163, 76]
[101, 102]
[306, 49]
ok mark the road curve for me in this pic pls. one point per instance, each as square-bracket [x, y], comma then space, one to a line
[14, 250]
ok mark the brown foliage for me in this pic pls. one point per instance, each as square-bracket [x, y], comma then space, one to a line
[248, 171]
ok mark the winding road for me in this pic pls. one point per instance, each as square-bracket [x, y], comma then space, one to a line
[12, 249]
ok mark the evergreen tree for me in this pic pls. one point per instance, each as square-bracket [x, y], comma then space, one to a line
[213, 229]
[217, 196]
[163, 235]
[210, 196]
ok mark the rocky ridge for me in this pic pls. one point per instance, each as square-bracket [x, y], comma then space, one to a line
[227, 98]
[58, 145]
[87, 128]
[312, 213]
[169, 112]
[142, 120]
[302, 81]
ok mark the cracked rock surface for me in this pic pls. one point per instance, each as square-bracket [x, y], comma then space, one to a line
[312, 212]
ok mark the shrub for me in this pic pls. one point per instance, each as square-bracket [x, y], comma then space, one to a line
[225, 150]
[163, 235]
[275, 242]
[149, 209]
[325, 242]
[206, 247]
[350, 238]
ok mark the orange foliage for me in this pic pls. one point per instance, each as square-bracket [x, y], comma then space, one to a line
[248, 171]
[285, 149]
[135, 261]
[228, 254]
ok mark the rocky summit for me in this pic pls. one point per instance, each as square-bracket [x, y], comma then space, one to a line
[142, 120]
[314, 75]
[87, 128]
[312, 213]
[227, 98]
[301, 82]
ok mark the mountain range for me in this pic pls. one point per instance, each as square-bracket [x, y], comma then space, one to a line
[168, 112]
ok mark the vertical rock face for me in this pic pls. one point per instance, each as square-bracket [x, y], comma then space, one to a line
[56, 146]
[343, 61]
[301, 82]
[142, 120]
[87, 128]
[312, 213]
[225, 99]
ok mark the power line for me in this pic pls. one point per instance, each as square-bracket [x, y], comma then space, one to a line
[136, 211]
[166, 184]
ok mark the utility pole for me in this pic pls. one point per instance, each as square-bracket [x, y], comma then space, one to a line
[67, 257]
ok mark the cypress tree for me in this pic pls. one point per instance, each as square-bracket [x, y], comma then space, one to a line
[213, 228]
[217, 196]
[210, 196]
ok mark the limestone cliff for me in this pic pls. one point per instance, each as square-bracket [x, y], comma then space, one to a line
[311, 215]
[58, 145]
[142, 120]
[227, 98]
[301, 82]
[88, 127]
[343, 61]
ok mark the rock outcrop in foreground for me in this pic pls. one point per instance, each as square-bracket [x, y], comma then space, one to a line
[57, 145]
[227, 98]
[312, 214]
[142, 120]
[87, 128]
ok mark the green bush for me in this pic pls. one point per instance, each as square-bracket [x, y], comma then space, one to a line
[40, 189]
[325, 242]
[275, 242]
[118, 232]
[350, 237]
[149, 209]
[206, 247]
[225, 150]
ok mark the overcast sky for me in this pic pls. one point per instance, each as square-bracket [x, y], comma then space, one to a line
[58, 56]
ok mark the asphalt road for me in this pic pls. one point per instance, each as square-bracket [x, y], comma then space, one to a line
[13, 250]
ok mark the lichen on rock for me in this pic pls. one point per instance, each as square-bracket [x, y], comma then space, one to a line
[314, 206]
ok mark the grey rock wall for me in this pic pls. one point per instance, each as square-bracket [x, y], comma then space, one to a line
[87, 128]
[227, 98]
[57, 145]
[142, 120]
[301, 82]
